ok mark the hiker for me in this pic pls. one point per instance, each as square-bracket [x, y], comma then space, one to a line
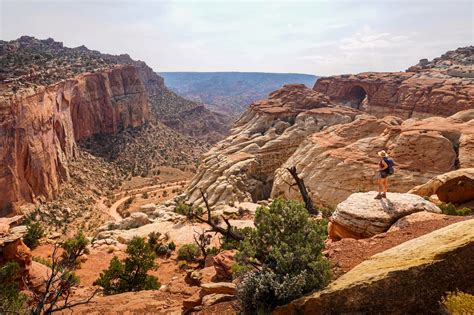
[385, 170]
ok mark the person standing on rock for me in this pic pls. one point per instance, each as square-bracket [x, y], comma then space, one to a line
[385, 170]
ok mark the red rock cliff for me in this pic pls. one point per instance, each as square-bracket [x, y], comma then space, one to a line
[39, 127]
[403, 94]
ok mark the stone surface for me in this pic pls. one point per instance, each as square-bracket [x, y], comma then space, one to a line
[435, 90]
[212, 299]
[38, 274]
[223, 264]
[455, 187]
[411, 219]
[241, 167]
[342, 159]
[410, 278]
[363, 216]
[218, 287]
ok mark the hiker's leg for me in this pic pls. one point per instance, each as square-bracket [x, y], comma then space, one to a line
[380, 185]
[385, 186]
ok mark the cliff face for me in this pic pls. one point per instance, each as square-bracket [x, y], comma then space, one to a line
[403, 94]
[39, 127]
[441, 87]
[241, 167]
[342, 159]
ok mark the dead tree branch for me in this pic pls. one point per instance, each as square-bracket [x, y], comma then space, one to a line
[303, 191]
[229, 232]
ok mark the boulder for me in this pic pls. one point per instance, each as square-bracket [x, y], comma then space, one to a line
[38, 275]
[223, 264]
[192, 301]
[411, 219]
[218, 287]
[410, 278]
[212, 299]
[148, 208]
[136, 219]
[361, 215]
[249, 207]
[455, 187]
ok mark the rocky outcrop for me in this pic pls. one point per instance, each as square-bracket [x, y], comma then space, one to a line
[455, 187]
[39, 128]
[410, 278]
[241, 167]
[438, 88]
[361, 215]
[342, 159]
[57, 97]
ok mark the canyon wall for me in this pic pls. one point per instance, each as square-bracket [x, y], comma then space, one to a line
[342, 159]
[241, 167]
[402, 94]
[39, 126]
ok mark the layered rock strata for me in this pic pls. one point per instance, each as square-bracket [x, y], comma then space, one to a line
[441, 87]
[241, 167]
[39, 127]
[342, 159]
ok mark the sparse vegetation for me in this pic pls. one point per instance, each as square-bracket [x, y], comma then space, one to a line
[188, 252]
[12, 301]
[130, 274]
[458, 303]
[34, 232]
[450, 209]
[74, 248]
[286, 243]
[188, 210]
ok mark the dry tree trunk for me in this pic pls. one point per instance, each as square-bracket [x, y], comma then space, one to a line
[304, 192]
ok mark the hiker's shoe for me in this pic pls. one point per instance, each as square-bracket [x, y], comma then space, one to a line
[384, 195]
[379, 196]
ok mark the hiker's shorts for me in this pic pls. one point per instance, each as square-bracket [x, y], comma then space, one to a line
[384, 174]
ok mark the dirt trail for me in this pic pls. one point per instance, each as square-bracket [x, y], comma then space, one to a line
[135, 192]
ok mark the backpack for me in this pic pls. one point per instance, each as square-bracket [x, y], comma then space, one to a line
[390, 165]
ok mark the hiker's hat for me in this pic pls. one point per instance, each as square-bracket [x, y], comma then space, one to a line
[382, 153]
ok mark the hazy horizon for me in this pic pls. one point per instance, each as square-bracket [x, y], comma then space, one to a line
[316, 38]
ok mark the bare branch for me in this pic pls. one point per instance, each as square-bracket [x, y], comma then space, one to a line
[304, 192]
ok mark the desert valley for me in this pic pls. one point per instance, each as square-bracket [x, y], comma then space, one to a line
[121, 196]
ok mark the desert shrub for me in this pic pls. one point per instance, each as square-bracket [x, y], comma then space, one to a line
[12, 301]
[239, 270]
[128, 203]
[458, 303]
[261, 291]
[74, 248]
[287, 242]
[188, 210]
[230, 243]
[131, 274]
[450, 209]
[145, 195]
[172, 246]
[188, 252]
[161, 250]
[153, 238]
[212, 251]
[34, 232]
[182, 264]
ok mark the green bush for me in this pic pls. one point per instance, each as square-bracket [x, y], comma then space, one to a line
[458, 303]
[172, 246]
[161, 250]
[34, 232]
[188, 252]
[188, 210]
[74, 248]
[288, 243]
[12, 301]
[131, 273]
[450, 209]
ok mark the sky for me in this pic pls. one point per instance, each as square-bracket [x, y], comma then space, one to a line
[315, 37]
